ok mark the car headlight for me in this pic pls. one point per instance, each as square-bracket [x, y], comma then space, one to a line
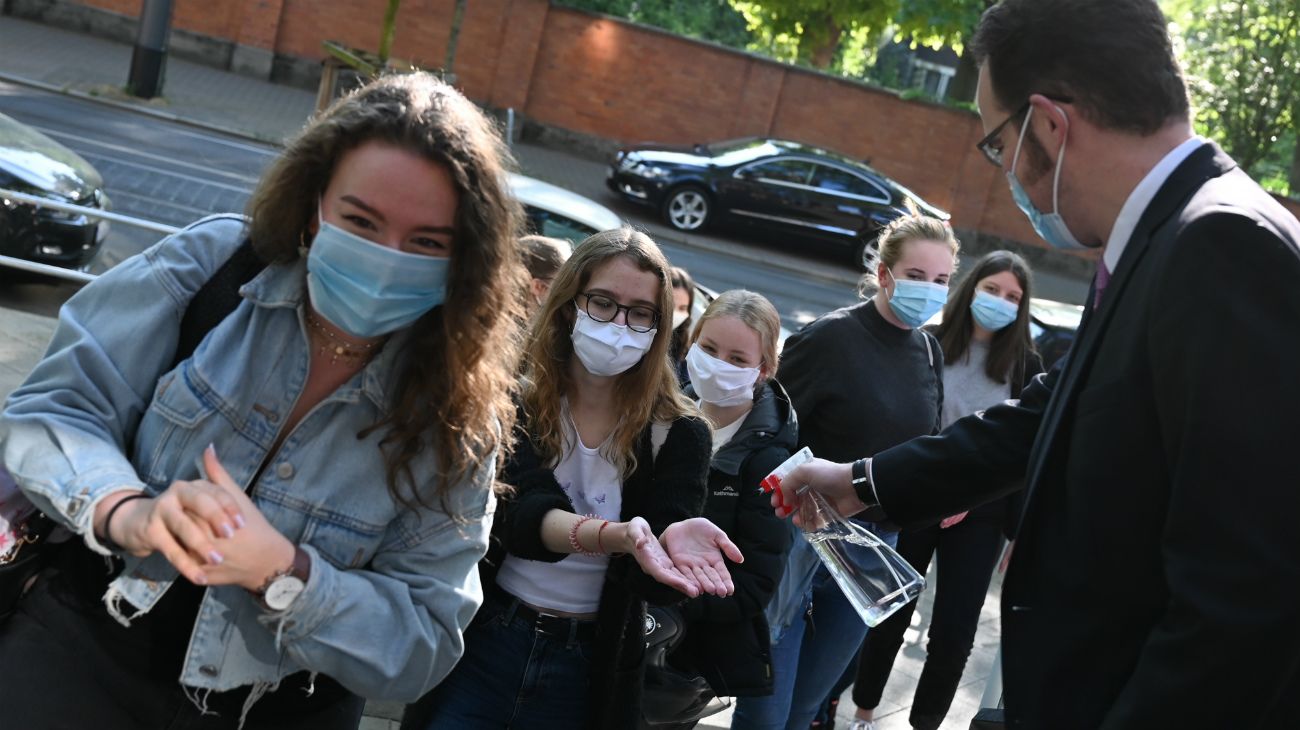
[647, 170]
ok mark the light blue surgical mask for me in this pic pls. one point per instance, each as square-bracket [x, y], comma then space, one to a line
[1049, 226]
[368, 289]
[993, 313]
[915, 302]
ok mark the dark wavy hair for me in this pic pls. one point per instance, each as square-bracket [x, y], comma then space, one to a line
[1011, 344]
[459, 373]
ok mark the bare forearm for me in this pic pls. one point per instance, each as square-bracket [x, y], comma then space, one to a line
[557, 528]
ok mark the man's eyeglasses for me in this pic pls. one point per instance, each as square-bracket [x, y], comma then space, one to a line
[603, 309]
[991, 145]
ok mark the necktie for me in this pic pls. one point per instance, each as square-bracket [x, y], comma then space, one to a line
[1103, 278]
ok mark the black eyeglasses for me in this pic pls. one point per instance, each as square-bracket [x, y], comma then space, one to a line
[603, 309]
[991, 145]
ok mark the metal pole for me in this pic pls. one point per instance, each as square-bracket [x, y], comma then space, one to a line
[510, 126]
[150, 54]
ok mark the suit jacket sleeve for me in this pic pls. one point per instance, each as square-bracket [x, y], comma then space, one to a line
[977, 459]
[762, 538]
[1224, 355]
[1014, 505]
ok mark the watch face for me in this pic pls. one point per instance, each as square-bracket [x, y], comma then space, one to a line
[282, 591]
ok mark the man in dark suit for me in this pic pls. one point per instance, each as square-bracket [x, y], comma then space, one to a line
[1156, 579]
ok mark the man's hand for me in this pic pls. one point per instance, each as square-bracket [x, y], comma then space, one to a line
[697, 547]
[833, 481]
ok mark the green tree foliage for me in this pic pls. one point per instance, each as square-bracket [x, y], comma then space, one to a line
[709, 20]
[843, 35]
[1243, 65]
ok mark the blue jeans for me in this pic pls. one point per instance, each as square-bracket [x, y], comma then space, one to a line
[512, 675]
[809, 655]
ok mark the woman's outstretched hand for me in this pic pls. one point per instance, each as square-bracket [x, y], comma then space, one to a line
[697, 547]
[641, 543]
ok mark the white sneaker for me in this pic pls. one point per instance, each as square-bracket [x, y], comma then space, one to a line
[862, 724]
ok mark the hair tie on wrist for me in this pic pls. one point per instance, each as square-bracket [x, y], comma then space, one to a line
[107, 540]
[573, 536]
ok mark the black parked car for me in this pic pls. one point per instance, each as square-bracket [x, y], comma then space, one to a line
[783, 186]
[34, 164]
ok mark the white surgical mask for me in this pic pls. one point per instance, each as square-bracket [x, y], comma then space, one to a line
[607, 348]
[718, 382]
[679, 317]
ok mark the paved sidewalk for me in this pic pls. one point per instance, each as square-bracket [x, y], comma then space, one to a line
[95, 68]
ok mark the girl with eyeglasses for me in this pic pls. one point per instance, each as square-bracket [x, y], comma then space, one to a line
[989, 356]
[607, 456]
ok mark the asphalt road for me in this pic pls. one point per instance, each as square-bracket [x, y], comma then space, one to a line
[175, 174]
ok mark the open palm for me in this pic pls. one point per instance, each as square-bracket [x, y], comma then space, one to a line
[654, 562]
[698, 548]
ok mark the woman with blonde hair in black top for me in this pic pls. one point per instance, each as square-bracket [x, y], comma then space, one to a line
[988, 357]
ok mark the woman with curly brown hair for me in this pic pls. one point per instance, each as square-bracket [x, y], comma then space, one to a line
[607, 455]
[358, 395]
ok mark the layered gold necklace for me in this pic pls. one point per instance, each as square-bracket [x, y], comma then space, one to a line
[337, 348]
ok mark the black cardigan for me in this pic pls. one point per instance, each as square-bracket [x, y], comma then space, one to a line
[668, 489]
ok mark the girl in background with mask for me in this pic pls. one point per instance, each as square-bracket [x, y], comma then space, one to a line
[731, 363]
[357, 397]
[683, 303]
[862, 379]
[608, 453]
[989, 356]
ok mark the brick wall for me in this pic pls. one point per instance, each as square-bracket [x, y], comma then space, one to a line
[603, 77]
[217, 18]
[618, 81]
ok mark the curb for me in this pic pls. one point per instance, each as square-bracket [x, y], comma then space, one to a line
[735, 252]
[127, 106]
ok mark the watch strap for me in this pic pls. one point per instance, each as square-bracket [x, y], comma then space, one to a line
[300, 568]
[860, 472]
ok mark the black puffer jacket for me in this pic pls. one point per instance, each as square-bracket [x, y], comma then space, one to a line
[662, 490]
[727, 638]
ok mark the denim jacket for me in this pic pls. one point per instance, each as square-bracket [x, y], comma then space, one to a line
[391, 589]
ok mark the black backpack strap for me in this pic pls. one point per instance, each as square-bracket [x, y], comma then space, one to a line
[217, 298]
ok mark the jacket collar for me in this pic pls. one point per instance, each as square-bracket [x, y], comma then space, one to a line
[284, 286]
[771, 420]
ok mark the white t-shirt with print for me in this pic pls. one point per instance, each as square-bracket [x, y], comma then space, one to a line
[573, 584]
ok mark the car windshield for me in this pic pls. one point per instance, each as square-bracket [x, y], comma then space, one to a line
[554, 225]
[740, 151]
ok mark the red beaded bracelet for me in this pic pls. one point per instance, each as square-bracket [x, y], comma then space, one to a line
[573, 536]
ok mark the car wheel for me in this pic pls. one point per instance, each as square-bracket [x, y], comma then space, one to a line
[687, 208]
[865, 253]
